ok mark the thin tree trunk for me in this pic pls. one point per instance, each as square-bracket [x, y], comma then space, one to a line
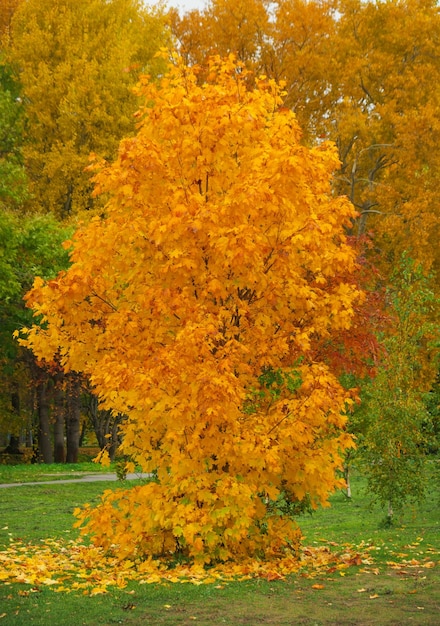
[44, 443]
[73, 419]
[347, 479]
[83, 433]
[13, 446]
[390, 512]
[58, 427]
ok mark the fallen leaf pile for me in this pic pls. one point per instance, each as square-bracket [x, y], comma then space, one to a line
[74, 566]
[68, 566]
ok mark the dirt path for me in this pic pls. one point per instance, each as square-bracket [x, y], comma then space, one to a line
[87, 478]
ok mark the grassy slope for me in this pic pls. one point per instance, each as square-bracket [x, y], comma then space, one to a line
[367, 595]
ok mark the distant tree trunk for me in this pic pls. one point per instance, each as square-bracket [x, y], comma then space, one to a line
[44, 443]
[347, 479]
[58, 428]
[104, 423]
[73, 418]
[83, 433]
[13, 446]
[390, 512]
[114, 439]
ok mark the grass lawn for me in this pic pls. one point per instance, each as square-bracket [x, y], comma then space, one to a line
[404, 591]
[56, 471]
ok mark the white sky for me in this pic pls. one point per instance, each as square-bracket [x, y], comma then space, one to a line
[187, 5]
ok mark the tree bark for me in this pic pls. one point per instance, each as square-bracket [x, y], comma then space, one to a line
[13, 446]
[73, 418]
[390, 512]
[58, 428]
[44, 442]
[104, 424]
[347, 479]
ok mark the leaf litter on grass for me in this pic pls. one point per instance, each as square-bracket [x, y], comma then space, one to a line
[74, 566]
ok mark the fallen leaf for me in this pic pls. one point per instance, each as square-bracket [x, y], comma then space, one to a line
[97, 591]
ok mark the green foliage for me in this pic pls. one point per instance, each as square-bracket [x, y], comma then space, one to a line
[29, 246]
[286, 504]
[393, 423]
[272, 382]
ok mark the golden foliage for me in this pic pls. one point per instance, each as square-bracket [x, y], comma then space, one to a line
[78, 61]
[7, 9]
[194, 307]
[362, 74]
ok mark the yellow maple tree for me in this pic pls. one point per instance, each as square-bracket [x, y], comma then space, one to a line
[194, 307]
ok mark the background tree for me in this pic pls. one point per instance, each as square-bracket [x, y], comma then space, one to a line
[363, 74]
[225, 263]
[104, 423]
[28, 247]
[77, 61]
[386, 124]
[223, 27]
[392, 422]
[66, 89]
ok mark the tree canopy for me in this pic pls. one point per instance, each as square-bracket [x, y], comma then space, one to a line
[194, 307]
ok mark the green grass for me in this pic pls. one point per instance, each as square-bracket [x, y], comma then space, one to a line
[355, 520]
[55, 471]
[368, 595]
[42, 511]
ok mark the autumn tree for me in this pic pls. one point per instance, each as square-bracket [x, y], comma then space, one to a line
[386, 123]
[194, 307]
[224, 26]
[77, 61]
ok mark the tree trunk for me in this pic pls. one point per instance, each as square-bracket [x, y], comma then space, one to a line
[58, 428]
[347, 479]
[83, 433]
[104, 424]
[73, 418]
[13, 446]
[390, 512]
[44, 443]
